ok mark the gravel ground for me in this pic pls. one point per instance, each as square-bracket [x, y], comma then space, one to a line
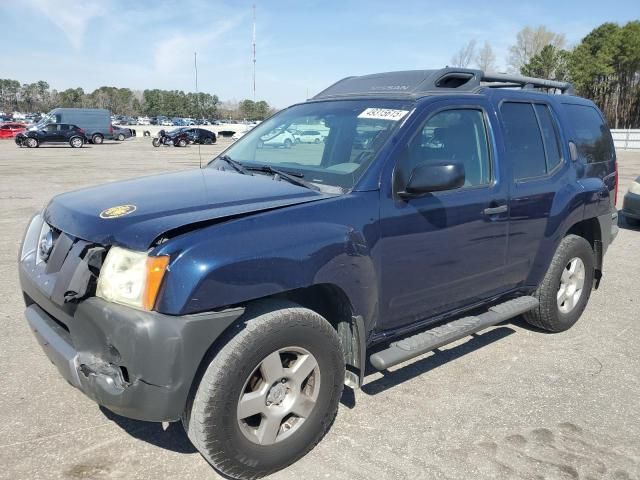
[526, 405]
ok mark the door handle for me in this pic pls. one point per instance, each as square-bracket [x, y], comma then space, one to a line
[495, 210]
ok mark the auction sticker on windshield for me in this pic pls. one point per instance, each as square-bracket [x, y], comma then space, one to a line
[390, 114]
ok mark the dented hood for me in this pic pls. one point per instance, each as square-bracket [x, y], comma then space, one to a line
[134, 213]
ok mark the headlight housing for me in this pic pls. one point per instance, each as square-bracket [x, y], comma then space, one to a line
[131, 278]
[32, 236]
[635, 188]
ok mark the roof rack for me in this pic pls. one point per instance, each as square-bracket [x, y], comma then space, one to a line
[503, 80]
[416, 83]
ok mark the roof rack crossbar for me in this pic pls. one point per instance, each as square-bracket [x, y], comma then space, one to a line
[526, 82]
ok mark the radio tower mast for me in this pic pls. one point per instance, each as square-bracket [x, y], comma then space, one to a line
[254, 52]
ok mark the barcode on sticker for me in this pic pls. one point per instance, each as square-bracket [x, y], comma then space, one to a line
[390, 114]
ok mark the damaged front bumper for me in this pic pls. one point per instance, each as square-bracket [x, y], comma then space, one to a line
[137, 364]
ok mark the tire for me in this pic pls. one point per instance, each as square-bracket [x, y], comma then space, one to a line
[155, 142]
[76, 142]
[317, 140]
[182, 143]
[121, 137]
[207, 141]
[550, 314]
[97, 139]
[32, 142]
[231, 444]
[287, 143]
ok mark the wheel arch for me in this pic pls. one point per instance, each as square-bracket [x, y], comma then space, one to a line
[590, 230]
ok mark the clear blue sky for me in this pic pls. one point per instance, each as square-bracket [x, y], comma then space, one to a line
[302, 46]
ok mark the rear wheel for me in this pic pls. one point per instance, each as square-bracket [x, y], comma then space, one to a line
[566, 287]
[97, 139]
[121, 137]
[182, 142]
[32, 142]
[76, 142]
[269, 394]
[287, 143]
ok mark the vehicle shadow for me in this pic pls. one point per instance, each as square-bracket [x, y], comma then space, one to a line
[174, 438]
[437, 359]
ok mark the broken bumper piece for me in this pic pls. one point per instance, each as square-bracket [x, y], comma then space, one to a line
[137, 364]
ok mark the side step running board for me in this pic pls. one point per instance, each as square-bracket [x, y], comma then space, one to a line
[424, 342]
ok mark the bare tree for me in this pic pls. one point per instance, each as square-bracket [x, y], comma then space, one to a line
[486, 59]
[530, 42]
[465, 55]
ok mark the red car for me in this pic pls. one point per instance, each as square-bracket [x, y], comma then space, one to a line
[10, 130]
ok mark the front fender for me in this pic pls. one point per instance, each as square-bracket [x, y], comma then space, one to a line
[323, 242]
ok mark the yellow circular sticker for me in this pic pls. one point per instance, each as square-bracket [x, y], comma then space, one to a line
[119, 211]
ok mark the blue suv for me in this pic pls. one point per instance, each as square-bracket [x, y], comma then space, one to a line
[239, 298]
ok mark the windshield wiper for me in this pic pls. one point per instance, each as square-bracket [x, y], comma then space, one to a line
[237, 166]
[294, 178]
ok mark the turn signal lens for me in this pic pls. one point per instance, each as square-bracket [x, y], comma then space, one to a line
[156, 266]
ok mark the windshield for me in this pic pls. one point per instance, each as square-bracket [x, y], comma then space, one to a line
[330, 143]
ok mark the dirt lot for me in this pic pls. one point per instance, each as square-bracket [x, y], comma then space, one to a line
[525, 405]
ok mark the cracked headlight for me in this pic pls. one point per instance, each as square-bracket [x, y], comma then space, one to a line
[32, 236]
[131, 278]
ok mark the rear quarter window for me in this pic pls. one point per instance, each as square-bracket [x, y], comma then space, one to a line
[592, 135]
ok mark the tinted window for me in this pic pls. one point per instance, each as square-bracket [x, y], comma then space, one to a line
[453, 136]
[549, 136]
[523, 140]
[591, 134]
[52, 127]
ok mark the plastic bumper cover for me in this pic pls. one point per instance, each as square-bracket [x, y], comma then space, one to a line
[135, 363]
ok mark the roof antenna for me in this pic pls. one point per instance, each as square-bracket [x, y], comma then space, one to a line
[195, 67]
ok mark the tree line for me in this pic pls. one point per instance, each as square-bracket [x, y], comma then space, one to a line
[39, 97]
[604, 66]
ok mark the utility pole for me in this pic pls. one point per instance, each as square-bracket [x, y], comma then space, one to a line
[254, 52]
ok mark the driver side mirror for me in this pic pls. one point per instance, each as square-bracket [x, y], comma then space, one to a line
[434, 177]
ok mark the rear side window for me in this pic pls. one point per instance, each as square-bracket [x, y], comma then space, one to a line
[523, 140]
[549, 136]
[592, 136]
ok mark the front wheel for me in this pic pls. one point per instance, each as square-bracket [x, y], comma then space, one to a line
[121, 137]
[182, 142]
[287, 143]
[76, 142]
[155, 142]
[32, 142]
[566, 287]
[269, 394]
[97, 139]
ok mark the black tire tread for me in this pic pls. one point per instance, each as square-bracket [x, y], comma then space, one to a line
[545, 316]
[265, 317]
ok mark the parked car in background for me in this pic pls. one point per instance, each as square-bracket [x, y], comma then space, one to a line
[200, 136]
[181, 137]
[277, 138]
[143, 121]
[95, 122]
[631, 204]
[166, 122]
[179, 122]
[309, 136]
[121, 133]
[52, 133]
[11, 129]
